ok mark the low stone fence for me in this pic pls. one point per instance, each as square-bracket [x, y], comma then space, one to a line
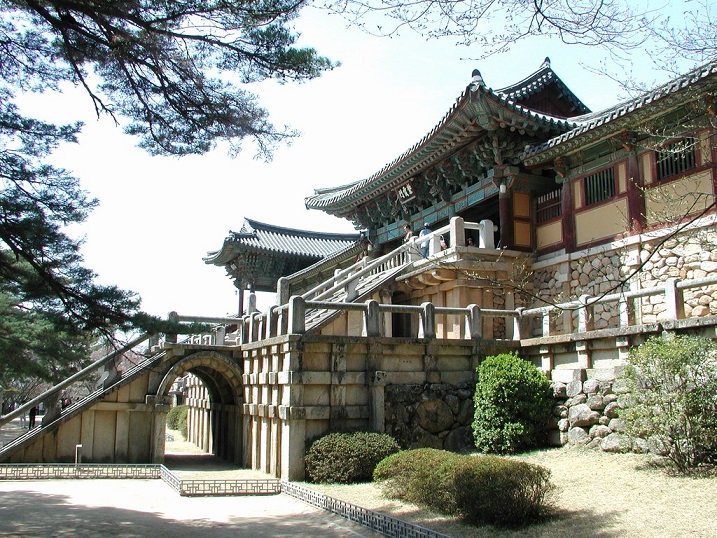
[381, 523]
[186, 488]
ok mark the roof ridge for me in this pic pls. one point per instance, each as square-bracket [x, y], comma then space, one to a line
[263, 226]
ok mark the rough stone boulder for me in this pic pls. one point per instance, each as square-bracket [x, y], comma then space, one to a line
[616, 442]
[434, 416]
[581, 415]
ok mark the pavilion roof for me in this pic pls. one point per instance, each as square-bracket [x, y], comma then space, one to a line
[477, 112]
[259, 237]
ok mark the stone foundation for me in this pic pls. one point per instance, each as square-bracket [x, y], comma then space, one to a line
[587, 410]
[430, 415]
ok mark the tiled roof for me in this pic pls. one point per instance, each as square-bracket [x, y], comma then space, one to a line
[460, 125]
[258, 236]
[535, 83]
[608, 118]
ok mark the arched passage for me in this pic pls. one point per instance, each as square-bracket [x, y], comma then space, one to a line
[215, 406]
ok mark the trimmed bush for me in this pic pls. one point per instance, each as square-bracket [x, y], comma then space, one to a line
[177, 419]
[512, 405]
[480, 489]
[422, 476]
[674, 398]
[346, 458]
[501, 491]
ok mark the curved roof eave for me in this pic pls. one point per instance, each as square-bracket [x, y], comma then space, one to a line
[469, 116]
[614, 118]
[258, 237]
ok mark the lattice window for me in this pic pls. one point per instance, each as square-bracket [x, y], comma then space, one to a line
[549, 206]
[676, 158]
[600, 186]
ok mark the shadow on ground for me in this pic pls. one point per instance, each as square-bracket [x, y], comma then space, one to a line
[31, 510]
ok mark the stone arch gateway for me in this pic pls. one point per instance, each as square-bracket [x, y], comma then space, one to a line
[215, 401]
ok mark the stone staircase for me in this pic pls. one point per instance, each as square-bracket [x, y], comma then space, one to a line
[316, 318]
[112, 381]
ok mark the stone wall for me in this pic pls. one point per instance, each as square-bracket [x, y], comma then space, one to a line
[689, 255]
[435, 415]
[587, 410]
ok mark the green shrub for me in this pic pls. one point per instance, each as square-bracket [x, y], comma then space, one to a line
[346, 458]
[501, 491]
[177, 419]
[674, 398]
[512, 405]
[421, 476]
[481, 489]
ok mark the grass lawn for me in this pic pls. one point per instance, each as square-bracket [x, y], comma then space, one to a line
[597, 495]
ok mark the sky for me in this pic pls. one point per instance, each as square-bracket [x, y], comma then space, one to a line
[159, 216]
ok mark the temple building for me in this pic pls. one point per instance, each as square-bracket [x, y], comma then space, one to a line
[565, 235]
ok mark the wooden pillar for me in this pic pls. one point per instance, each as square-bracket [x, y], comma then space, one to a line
[505, 214]
[635, 196]
[568, 220]
[240, 286]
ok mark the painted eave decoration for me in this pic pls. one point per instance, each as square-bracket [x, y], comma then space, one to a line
[478, 112]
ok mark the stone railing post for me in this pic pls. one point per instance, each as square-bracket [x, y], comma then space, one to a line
[474, 322]
[584, 314]
[220, 334]
[282, 290]
[517, 324]
[674, 300]
[372, 319]
[414, 250]
[171, 338]
[427, 325]
[457, 232]
[623, 312]
[253, 328]
[272, 321]
[297, 315]
[243, 330]
[485, 234]
[546, 323]
[350, 288]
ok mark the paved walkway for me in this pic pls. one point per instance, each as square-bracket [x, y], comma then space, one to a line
[142, 508]
[13, 429]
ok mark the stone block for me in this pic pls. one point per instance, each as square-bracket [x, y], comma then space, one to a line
[620, 386]
[558, 389]
[591, 386]
[578, 436]
[459, 439]
[616, 442]
[605, 374]
[617, 425]
[574, 388]
[581, 415]
[595, 402]
[612, 410]
[599, 431]
[567, 376]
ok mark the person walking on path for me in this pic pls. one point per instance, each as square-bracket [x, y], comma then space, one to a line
[33, 414]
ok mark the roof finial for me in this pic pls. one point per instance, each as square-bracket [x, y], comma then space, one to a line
[477, 79]
[546, 62]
